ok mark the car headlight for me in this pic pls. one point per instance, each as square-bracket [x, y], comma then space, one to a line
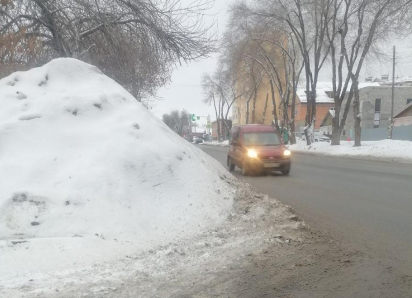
[287, 153]
[252, 153]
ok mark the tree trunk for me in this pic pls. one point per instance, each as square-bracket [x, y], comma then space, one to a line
[264, 110]
[221, 120]
[292, 116]
[335, 130]
[313, 124]
[346, 111]
[357, 114]
[335, 136]
[286, 115]
[247, 111]
[227, 128]
[218, 130]
[248, 106]
[309, 121]
[292, 137]
[217, 111]
[254, 107]
[275, 113]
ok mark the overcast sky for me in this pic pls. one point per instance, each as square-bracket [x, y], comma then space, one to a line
[185, 92]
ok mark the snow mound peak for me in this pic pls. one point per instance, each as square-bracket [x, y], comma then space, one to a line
[80, 158]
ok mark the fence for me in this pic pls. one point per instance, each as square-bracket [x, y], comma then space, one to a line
[381, 133]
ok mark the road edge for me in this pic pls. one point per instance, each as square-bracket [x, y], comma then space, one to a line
[399, 160]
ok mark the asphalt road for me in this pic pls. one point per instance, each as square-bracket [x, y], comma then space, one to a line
[366, 204]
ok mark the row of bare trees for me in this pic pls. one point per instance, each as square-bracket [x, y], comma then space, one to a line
[179, 122]
[136, 42]
[290, 42]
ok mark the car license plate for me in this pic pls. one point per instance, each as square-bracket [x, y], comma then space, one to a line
[271, 165]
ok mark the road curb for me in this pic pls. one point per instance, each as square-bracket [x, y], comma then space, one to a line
[205, 144]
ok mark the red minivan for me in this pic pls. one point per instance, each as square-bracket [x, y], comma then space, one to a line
[259, 148]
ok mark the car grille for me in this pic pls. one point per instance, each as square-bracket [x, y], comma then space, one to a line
[270, 158]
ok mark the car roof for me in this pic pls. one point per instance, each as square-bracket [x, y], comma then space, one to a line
[256, 128]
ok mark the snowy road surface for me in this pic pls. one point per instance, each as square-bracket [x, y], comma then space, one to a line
[366, 204]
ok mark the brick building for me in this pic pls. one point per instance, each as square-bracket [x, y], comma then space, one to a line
[224, 129]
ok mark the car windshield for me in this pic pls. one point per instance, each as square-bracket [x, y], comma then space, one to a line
[261, 139]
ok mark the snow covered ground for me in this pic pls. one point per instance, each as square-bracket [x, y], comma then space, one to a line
[215, 143]
[258, 228]
[386, 150]
[88, 176]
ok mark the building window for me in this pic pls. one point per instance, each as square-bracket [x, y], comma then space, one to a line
[296, 112]
[408, 101]
[377, 117]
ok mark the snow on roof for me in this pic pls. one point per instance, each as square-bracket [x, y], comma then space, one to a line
[321, 95]
[398, 80]
[324, 90]
[88, 174]
[403, 79]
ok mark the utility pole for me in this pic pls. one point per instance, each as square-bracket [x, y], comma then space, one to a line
[393, 96]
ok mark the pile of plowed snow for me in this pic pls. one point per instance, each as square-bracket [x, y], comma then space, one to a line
[87, 173]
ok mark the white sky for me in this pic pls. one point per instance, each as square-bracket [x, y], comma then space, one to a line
[185, 91]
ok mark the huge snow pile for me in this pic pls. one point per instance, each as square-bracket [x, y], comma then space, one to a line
[387, 150]
[86, 173]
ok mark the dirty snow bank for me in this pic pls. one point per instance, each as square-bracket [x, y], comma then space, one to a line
[258, 225]
[388, 150]
[88, 175]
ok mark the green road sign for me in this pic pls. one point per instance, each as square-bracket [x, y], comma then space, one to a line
[198, 118]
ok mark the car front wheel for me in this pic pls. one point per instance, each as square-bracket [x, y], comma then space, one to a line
[286, 172]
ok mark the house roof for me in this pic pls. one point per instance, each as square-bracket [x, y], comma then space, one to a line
[331, 113]
[409, 106]
[323, 88]
[398, 80]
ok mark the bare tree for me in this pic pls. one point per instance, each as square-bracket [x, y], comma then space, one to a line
[220, 90]
[284, 69]
[252, 78]
[134, 41]
[246, 75]
[307, 21]
[210, 90]
[179, 122]
[356, 27]
[276, 53]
